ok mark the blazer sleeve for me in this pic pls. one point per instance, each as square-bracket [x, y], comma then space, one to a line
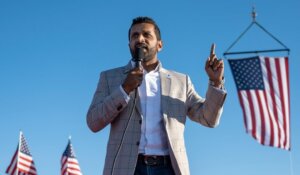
[208, 110]
[107, 103]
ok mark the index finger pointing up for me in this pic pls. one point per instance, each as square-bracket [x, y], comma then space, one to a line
[212, 49]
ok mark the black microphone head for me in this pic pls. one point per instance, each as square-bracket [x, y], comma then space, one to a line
[139, 54]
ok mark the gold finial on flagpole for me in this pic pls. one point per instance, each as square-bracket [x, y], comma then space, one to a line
[253, 14]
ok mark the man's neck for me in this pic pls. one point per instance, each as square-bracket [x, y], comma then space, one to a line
[150, 65]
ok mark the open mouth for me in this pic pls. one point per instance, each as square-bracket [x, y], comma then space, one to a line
[144, 46]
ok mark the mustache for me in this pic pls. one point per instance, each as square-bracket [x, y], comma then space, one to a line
[141, 45]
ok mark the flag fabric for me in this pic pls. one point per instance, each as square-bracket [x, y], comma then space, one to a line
[22, 162]
[69, 163]
[263, 91]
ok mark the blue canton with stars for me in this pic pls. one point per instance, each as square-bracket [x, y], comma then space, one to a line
[247, 73]
[69, 152]
[24, 147]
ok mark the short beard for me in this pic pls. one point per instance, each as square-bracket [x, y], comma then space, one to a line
[149, 55]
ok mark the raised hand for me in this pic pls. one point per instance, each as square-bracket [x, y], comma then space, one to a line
[214, 67]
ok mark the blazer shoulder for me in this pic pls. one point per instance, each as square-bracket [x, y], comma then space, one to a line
[175, 74]
[114, 71]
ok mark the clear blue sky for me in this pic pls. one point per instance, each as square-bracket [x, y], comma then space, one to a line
[51, 54]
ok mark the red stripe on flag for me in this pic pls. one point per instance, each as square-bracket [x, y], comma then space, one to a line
[263, 124]
[73, 169]
[24, 171]
[279, 78]
[288, 103]
[271, 123]
[252, 114]
[274, 104]
[243, 107]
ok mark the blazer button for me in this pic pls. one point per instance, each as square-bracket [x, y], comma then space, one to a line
[119, 107]
[140, 121]
[137, 143]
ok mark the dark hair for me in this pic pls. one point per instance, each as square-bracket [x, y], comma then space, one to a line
[145, 19]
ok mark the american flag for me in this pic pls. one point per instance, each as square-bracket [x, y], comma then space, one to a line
[263, 90]
[22, 162]
[69, 163]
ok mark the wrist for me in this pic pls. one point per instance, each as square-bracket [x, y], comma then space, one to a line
[217, 83]
[125, 88]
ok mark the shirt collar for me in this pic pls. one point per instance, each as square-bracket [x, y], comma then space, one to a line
[158, 67]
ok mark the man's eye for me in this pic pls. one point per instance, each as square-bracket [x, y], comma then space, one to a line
[148, 35]
[134, 36]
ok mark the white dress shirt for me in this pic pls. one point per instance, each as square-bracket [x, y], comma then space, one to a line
[153, 134]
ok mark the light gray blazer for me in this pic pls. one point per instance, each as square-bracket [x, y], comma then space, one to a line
[178, 100]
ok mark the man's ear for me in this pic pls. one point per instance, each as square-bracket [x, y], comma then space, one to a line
[159, 45]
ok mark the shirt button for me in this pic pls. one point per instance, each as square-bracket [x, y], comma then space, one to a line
[138, 143]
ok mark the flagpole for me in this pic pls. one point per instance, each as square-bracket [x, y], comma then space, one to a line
[19, 146]
[291, 164]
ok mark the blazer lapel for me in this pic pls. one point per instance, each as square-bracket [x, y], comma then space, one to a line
[165, 89]
[138, 104]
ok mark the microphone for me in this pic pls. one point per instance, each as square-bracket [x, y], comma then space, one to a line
[139, 56]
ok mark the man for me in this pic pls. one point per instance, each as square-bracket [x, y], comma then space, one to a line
[146, 107]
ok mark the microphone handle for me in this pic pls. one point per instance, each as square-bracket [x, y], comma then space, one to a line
[139, 56]
[138, 64]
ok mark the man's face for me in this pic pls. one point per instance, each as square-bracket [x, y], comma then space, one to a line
[143, 34]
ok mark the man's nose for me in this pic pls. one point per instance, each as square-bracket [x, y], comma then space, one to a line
[141, 39]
